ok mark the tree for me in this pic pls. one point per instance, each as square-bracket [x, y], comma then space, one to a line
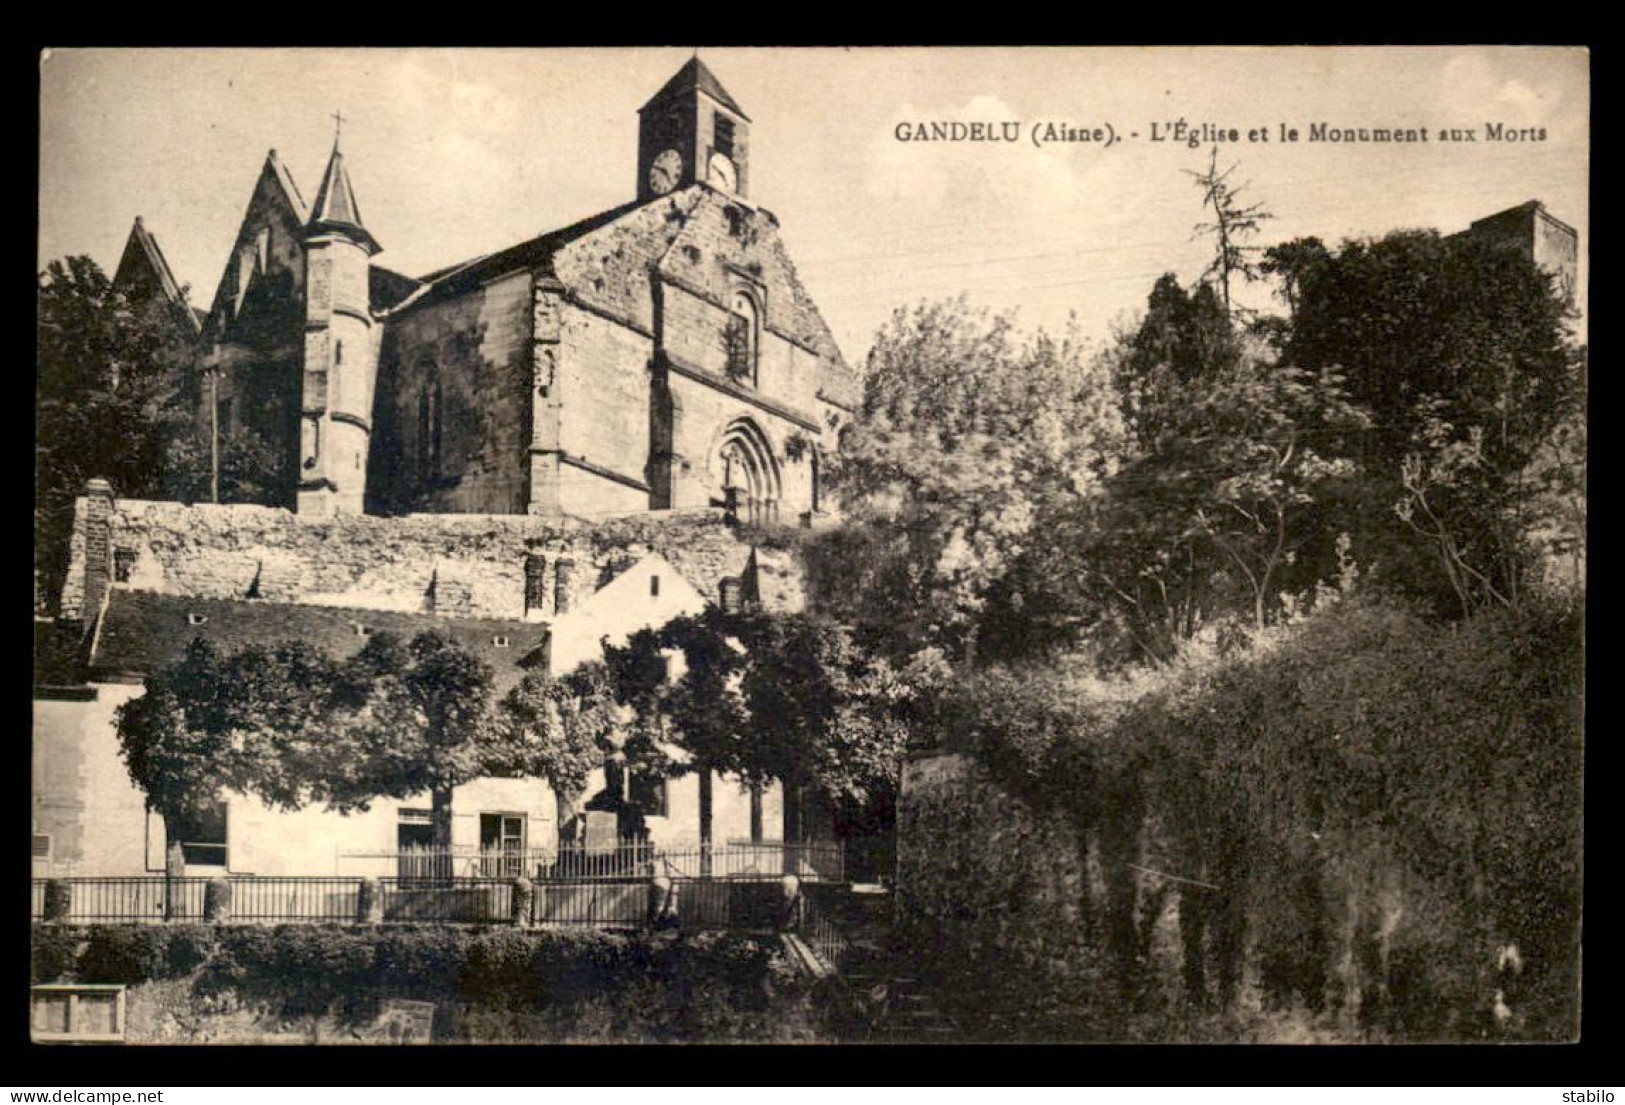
[292, 726]
[965, 429]
[1232, 223]
[423, 722]
[770, 697]
[105, 380]
[1457, 349]
[259, 721]
[557, 729]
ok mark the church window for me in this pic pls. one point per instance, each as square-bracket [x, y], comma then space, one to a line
[723, 135]
[263, 243]
[123, 565]
[814, 479]
[437, 419]
[338, 352]
[312, 441]
[743, 338]
[423, 430]
[654, 586]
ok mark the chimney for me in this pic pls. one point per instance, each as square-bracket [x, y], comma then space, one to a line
[561, 585]
[535, 587]
[98, 546]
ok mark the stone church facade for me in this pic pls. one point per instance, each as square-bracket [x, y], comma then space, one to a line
[659, 355]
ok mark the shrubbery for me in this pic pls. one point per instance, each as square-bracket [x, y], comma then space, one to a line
[549, 984]
[1379, 809]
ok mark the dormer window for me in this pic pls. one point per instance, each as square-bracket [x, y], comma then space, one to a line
[499, 641]
[361, 630]
[197, 619]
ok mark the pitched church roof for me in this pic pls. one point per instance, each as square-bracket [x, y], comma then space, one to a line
[336, 208]
[143, 270]
[693, 76]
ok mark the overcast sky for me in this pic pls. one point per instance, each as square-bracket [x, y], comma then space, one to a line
[455, 153]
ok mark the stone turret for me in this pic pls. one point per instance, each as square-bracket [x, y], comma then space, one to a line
[341, 351]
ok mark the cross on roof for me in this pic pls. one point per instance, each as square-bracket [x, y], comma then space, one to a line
[338, 125]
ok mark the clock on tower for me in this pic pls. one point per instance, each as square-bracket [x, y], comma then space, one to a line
[692, 130]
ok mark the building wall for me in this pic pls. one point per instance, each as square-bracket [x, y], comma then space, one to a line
[387, 563]
[603, 386]
[255, 330]
[82, 795]
[476, 348]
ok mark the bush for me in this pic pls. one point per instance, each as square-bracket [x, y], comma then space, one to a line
[55, 952]
[1384, 804]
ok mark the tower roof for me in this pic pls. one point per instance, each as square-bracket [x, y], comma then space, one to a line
[336, 209]
[694, 75]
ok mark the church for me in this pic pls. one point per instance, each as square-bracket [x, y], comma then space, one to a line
[532, 451]
[658, 355]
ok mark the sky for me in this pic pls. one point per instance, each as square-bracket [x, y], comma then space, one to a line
[455, 153]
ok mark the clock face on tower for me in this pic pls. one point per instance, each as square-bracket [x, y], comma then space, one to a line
[722, 173]
[665, 171]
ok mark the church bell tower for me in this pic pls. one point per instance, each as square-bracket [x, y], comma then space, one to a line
[692, 130]
[340, 351]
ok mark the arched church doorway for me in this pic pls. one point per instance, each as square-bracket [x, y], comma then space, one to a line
[748, 473]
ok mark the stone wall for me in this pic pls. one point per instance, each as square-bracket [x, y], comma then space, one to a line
[468, 357]
[239, 551]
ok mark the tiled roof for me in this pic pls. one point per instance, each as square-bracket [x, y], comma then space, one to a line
[143, 630]
[141, 250]
[535, 252]
[695, 75]
[336, 208]
[386, 288]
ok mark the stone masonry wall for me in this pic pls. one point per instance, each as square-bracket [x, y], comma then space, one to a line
[235, 551]
[475, 349]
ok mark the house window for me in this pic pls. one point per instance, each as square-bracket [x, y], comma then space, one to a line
[502, 845]
[722, 133]
[42, 846]
[202, 835]
[123, 565]
[225, 415]
[414, 842]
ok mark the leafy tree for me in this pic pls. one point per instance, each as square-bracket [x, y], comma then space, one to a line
[764, 698]
[1457, 349]
[105, 375]
[258, 721]
[557, 729]
[965, 430]
[424, 722]
[292, 726]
